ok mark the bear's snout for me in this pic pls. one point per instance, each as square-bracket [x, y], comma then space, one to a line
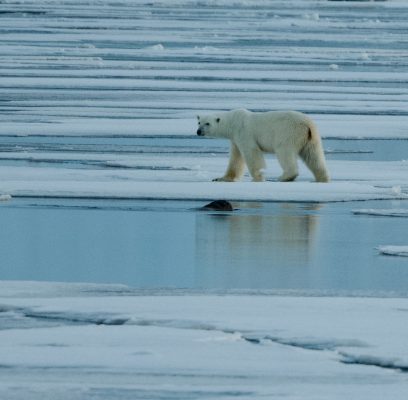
[199, 132]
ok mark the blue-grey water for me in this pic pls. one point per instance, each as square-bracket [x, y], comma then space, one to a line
[156, 244]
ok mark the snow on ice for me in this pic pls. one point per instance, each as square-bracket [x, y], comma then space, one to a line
[190, 178]
[74, 341]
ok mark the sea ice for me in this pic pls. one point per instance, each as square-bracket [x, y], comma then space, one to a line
[141, 69]
[83, 342]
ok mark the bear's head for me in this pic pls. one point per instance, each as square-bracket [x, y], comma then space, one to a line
[209, 125]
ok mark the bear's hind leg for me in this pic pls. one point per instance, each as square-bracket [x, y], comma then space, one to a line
[313, 156]
[288, 161]
[235, 167]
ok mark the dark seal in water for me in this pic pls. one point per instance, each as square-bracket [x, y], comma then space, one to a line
[218, 205]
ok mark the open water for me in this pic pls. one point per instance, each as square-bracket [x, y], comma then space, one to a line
[167, 244]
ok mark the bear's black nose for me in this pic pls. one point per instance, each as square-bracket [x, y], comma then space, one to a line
[199, 132]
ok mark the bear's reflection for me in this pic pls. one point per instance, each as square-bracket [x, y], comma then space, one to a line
[260, 248]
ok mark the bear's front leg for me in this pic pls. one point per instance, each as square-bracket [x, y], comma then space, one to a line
[235, 167]
[256, 163]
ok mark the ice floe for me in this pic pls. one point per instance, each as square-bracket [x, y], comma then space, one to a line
[172, 177]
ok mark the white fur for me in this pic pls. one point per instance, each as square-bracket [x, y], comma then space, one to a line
[288, 134]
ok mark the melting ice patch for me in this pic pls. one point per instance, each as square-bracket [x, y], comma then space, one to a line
[382, 212]
[157, 47]
[394, 250]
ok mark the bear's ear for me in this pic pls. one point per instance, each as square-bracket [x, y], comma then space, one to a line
[218, 119]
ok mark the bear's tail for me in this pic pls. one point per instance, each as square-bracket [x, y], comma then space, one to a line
[312, 155]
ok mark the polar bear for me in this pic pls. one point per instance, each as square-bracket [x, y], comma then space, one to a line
[285, 133]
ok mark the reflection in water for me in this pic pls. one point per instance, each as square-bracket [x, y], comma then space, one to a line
[244, 249]
[161, 244]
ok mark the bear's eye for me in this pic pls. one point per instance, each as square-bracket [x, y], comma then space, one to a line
[207, 124]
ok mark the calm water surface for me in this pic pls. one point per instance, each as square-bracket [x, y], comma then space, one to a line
[155, 244]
